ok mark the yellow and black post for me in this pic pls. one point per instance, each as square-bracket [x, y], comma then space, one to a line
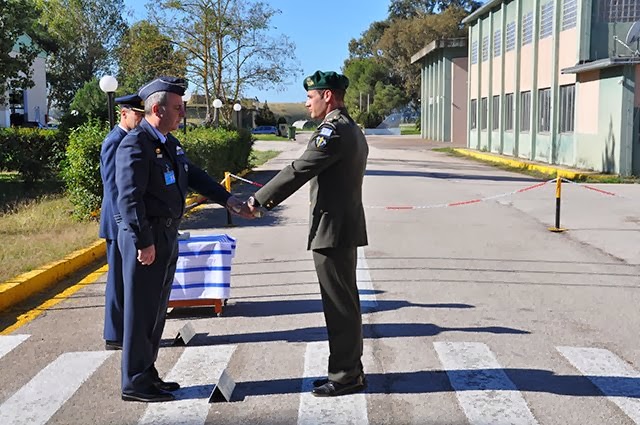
[227, 185]
[557, 228]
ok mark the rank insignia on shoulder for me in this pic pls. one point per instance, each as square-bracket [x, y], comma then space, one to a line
[321, 142]
[326, 131]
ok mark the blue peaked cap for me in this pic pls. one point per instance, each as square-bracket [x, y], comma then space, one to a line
[168, 84]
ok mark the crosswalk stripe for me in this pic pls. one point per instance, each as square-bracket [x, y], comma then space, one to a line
[368, 299]
[9, 342]
[615, 378]
[196, 371]
[349, 409]
[484, 391]
[41, 397]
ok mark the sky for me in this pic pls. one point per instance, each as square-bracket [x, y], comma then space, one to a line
[321, 32]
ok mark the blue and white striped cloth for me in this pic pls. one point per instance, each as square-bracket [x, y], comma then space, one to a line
[204, 268]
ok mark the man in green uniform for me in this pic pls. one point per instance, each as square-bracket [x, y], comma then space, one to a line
[334, 162]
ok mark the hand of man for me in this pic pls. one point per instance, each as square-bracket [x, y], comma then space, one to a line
[147, 255]
[239, 208]
[254, 208]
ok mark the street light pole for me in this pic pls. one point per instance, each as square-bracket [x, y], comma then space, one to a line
[109, 85]
[217, 104]
[185, 98]
[237, 107]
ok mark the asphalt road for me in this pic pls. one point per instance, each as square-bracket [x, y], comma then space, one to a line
[475, 313]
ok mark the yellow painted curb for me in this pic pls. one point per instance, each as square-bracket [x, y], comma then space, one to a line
[517, 163]
[23, 286]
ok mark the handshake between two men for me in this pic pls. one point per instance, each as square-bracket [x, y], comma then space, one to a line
[249, 209]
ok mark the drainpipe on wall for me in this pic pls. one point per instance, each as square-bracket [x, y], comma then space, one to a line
[555, 112]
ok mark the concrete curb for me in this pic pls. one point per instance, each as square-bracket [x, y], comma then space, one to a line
[551, 170]
[23, 286]
[27, 284]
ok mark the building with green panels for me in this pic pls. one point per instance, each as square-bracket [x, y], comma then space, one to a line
[443, 96]
[555, 81]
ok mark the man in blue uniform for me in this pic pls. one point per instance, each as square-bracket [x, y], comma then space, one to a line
[152, 177]
[334, 163]
[131, 113]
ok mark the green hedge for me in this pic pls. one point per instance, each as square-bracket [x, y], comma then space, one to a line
[81, 168]
[36, 154]
[218, 150]
[214, 150]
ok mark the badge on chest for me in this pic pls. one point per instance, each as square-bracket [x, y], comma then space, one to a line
[169, 177]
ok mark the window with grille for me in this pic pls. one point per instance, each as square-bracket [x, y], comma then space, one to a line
[569, 14]
[497, 43]
[567, 108]
[508, 112]
[619, 10]
[544, 110]
[546, 20]
[473, 114]
[525, 111]
[485, 48]
[474, 52]
[527, 28]
[510, 43]
[483, 113]
[495, 113]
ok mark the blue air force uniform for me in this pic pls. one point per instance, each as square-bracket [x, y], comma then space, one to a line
[152, 178]
[109, 215]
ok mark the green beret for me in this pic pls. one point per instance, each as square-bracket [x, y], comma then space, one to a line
[326, 80]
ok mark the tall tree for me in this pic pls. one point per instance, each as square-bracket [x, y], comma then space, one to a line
[85, 35]
[228, 44]
[408, 9]
[144, 54]
[18, 19]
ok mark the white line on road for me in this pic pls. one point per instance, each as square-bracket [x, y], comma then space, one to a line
[484, 391]
[197, 370]
[615, 378]
[348, 409]
[41, 398]
[9, 342]
[368, 299]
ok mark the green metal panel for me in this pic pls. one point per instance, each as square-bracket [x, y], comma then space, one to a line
[584, 28]
[509, 143]
[564, 150]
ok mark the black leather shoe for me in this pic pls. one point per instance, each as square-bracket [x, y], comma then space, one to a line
[333, 389]
[320, 382]
[112, 345]
[150, 397]
[166, 386]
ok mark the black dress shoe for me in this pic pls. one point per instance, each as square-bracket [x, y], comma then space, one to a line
[148, 397]
[333, 389]
[166, 386]
[321, 382]
[112, 345]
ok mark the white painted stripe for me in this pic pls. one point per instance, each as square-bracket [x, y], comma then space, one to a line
[368, 299]
[348, 409]
[484, 391]
[9, 342]
[41, 398]
[615, 378]
[197, 370]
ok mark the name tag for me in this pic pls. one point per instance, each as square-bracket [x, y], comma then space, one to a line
[169, 177]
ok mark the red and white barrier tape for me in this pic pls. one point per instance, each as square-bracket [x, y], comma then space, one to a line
[460, 203]
[595, 189]
[246, 180]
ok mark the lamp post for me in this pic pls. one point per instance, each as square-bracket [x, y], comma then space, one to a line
[109, 84]
[237, 107]
[185, 98]
[217, 104]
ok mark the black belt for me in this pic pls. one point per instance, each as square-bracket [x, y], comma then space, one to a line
[165, 221]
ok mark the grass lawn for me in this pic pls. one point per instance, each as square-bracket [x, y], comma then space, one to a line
[39, 232]
[270, 138]
[260, 157]
[405, 131]
[14, 191]
[596, 178]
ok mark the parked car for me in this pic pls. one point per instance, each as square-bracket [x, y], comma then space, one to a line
[265, 129]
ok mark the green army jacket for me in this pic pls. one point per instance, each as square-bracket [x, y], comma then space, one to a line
[334, 162]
